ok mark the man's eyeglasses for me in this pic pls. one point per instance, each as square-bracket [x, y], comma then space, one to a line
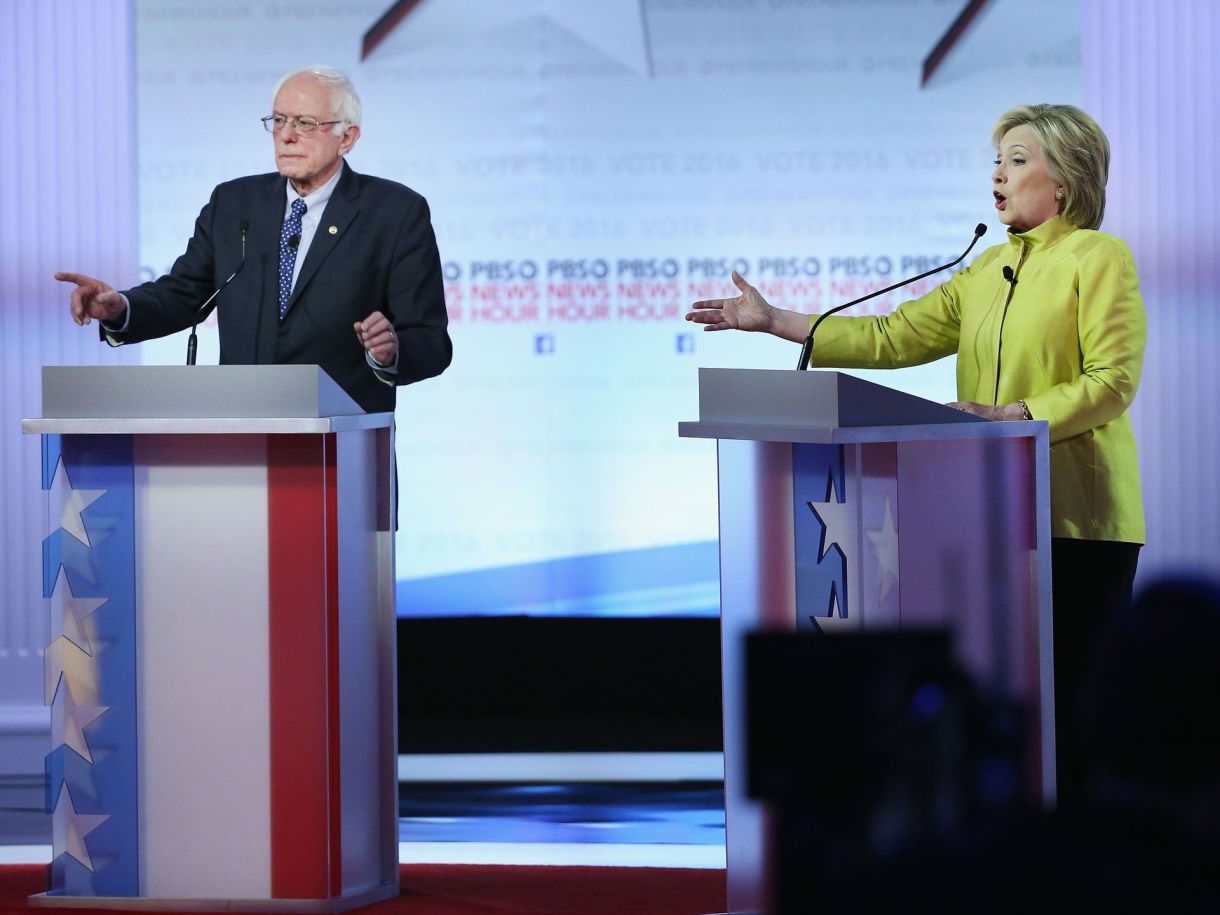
[303, 126]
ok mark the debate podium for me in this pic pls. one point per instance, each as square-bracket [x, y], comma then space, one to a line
[219, 570]
[846, 505]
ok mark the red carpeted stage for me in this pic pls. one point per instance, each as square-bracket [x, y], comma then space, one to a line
[452, 889]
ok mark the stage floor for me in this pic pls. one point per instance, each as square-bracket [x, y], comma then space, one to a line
[612, 825]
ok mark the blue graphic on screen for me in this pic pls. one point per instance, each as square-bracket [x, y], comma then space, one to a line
[667, 581]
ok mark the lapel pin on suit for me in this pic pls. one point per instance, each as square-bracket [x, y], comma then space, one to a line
[334, 230]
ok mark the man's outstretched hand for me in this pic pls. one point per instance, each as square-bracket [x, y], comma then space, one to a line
[93, 299]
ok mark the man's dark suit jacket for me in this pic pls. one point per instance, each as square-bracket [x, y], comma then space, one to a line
[374, 251]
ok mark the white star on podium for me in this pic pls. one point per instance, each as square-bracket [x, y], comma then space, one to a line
[68, 503]
[885, 545]
[65, 662]
[69, 829]
[84, 784]
[68, 723]
[70, 614]
[837, 520]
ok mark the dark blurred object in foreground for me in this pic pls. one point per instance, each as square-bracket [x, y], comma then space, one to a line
[1152, 700]
[884, 800]
[871, 748]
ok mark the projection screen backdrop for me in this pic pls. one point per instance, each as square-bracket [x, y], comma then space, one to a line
[593, 166]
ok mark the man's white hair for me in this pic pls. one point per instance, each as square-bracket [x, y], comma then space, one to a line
[344, 100]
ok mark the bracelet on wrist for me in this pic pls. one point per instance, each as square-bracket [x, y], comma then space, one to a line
[1025, 414]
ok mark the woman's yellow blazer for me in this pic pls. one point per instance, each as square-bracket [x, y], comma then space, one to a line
[1068, 339]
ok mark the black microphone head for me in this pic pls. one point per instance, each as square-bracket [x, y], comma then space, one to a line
[244, 226]
[294, 241]
[980, 230]
[1008, 274]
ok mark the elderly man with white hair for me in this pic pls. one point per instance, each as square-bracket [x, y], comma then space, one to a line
[324, 266]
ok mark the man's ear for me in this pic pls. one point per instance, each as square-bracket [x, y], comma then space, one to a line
[350, 136]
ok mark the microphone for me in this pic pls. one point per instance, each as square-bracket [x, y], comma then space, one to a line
[807, 346]
[1009, 275]
[192, 342]
[294, 241]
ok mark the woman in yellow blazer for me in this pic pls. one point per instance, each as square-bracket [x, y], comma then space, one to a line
[1049, 325]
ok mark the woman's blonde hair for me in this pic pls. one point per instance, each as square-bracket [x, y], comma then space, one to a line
[1077, 153]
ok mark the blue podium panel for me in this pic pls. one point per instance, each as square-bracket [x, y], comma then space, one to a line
[89, 583]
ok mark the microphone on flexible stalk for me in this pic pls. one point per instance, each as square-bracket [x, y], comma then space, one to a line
[192, 342]
[807, 346]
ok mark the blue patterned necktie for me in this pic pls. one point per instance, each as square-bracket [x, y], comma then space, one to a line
[288, 252]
